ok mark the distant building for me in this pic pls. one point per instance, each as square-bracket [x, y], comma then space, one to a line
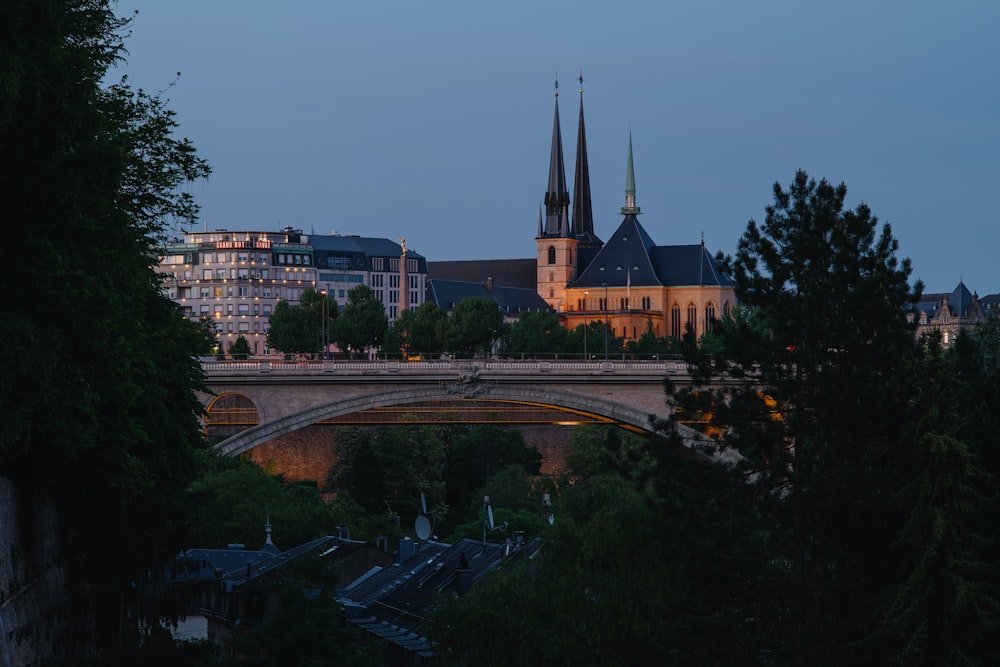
[949, 313]
[628, 280]
[237, 278]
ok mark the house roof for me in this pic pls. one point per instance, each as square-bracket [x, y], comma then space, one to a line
[448, 293]
[521, 273]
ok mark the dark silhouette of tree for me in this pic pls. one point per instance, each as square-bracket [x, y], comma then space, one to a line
[98, 413]
[363, 323]
[474, 327]
[300, 329]
[240, 348]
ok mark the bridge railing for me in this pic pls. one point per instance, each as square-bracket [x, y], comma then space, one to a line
[665, 366]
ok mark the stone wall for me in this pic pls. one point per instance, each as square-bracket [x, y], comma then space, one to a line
[309, 452]
[31, 580]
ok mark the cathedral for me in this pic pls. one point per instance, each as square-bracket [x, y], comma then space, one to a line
[628, 280]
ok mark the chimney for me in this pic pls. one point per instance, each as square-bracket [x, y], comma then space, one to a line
[489, 284]
[407, 549]
[463, 576]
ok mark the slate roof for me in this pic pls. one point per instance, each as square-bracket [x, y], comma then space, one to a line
[959, 300]
[507, 272]
[358, 248]
[631, 257]
[406, 593]
[510, 300]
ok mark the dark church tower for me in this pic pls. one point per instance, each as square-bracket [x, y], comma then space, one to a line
[556, 243]
[583, 213]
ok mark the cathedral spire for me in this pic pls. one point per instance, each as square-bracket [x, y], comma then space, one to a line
[630, 208]
[557, 195]
[583, 213]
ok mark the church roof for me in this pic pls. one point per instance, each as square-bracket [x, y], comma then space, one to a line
[625, 258]
[583, 212]
[557, 195]
[631, 258]
[510, 300]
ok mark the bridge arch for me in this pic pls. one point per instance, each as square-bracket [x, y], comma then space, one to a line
[600, 409]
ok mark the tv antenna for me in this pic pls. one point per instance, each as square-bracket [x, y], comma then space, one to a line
[488, 519]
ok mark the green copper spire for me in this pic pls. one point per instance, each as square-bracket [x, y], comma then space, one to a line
[630, 208]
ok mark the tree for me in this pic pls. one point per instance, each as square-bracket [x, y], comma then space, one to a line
[97, 389]
[299, 329]
[363, 323]
[240, 348]
[940, 612]
[818, 341]
[418, 332]
[536, 332]
[236, 498]
[474, 327]
[386, 469]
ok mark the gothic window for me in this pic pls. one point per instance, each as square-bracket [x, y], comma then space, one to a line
[552, 293]
[725, 309]
[552, 254]
[692, 318]
[709, 316]
[675, 321]
[552, 277]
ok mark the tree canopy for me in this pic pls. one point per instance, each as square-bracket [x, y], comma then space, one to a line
[98, 413]
[363, 323]
[301, 328]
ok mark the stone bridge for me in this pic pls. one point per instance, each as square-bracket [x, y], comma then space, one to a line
[253, 402]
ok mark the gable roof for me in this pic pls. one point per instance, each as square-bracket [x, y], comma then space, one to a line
[624, 258]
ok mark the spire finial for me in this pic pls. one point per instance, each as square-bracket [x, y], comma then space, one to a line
[557, 84]
[581, 81]
[630, 208]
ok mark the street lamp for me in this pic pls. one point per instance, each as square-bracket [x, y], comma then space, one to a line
[322, 324]
[605, 286]
[586, 324]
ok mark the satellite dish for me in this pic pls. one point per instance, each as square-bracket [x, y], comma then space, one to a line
[422, 527]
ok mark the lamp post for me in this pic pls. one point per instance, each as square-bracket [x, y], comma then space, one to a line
[322, 324]
[586, 324]
[605, 286]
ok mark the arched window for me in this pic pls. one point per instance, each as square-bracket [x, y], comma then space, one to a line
[709, 316]
[725, 309]
[552, 254]
[552, 293]
[675, 321]
[552, 277]
[692, 318]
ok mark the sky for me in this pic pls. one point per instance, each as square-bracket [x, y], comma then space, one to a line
[432, 120]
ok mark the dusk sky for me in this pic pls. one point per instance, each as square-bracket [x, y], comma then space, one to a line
[432, 120]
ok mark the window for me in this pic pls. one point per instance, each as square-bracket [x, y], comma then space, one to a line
[267, 292]
[244, 291]
[725, 309]
[244, 309]
[220, 274]
[709, 317]
[244, 327]
[692, 317]
[675, 321]
[204, 292]
[207, 274]
[229, 309]
[552, 254]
